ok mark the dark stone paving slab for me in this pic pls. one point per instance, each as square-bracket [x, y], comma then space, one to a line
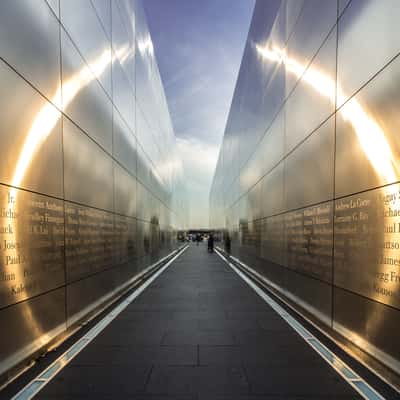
[128, 397]
[260, 337]
[198, 337]
[267, 397]
[296, 379]
[96, 381]
[202, 379]
[198, 332]
[138, 355]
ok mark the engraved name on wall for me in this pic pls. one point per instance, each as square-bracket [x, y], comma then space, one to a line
[309, 241]
[367, 244]
[89, 241]
[31, 245]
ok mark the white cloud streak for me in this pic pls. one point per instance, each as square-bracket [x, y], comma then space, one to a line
[199, 160]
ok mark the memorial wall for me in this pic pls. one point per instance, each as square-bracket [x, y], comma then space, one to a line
[91, 186]
[306, 183]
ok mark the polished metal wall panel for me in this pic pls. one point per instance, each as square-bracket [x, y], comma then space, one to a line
[313, 25]
[263, 20]
[154, 208]
[313, 295]
[313, 98]
[142, 202]
[257, 108]
[144, 66]
[32, 45]
[272, 146]
[30, 136]
[143, 132]
[272, 195]
[250, 239]
[371, 325]
[143, 166]
[293, 10]
[71, 233]
[123, 38]
[124, 144]
[273, 240]
[140, 242]
[267, 154]
[254, 203]
[366, 242]
[309, 240]
[367, 140]
[30, 325]
[309, 169]
[125, 192]
[84, 99]
[89, 241]
[88, 170]
[123, 95]
[103, 10]
[126, 243]
[342, 4]
[85, 295]
[55, 6]
[326, 231]
[31, 245]
[249, 175]
[87, 33]
[368, 40]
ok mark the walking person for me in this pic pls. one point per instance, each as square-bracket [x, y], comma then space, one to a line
[210, 243]
[228, 244]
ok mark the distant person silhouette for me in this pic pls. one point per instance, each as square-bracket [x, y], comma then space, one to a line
[198, 239]
[228, 244]
[211, 243]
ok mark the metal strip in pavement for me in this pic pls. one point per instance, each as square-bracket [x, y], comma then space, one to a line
[351, 377]
[41, 380]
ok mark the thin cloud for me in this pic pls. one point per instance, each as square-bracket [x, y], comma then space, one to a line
[199, 161]
[199, 46]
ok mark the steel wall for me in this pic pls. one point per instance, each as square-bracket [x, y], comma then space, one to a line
[307, 177]
[91, 187]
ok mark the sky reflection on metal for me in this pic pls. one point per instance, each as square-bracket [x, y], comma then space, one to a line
[47, 118]
[369, 134]
[42, 126]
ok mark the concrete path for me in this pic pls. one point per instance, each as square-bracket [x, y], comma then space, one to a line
[198, 332]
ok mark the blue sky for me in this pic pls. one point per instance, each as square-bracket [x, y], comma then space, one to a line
[199, 46]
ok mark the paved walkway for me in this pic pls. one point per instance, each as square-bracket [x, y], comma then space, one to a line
[198, 332]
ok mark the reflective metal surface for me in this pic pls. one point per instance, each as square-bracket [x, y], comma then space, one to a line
[31, 245]
[30, 324]
[306, 109]
[366, 242]
[309, 241]
[87, 32]
[84, 100]
[309, 169]
[314, 119]
[83, 183]
[89, 241]
[30, 43]
[367, 127]
[103, 10]
[30, 135]
[89, 197]
[364, 22]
